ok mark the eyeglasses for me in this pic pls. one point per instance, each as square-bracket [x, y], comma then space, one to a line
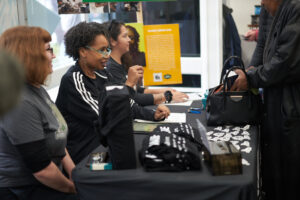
[50, 50]
[106, 52]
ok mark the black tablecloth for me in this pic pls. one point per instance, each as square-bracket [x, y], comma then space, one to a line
[190, 185]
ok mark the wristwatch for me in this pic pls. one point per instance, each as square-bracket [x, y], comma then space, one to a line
[168, 96]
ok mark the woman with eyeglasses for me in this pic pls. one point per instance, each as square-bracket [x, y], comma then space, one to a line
[121, 60]
[33, 136]
[82, 88]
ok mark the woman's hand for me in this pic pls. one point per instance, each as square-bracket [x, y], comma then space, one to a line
[68, 164]
[251, 35]
[161, 112]
[134, 74]
[240, 84]
[179, 96]
[52, 177]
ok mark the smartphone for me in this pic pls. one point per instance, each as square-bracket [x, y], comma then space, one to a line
[230, 81]
[195, 110]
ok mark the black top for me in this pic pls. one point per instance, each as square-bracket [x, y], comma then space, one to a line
[79, 99]
[119, 75]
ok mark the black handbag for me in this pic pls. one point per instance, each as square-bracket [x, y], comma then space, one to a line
[232, 108]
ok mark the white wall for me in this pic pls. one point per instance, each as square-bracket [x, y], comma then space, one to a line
[242, 11]
[8, 14]
[214, 41]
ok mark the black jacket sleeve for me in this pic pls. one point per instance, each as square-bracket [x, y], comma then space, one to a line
[139, 112]
[143, 99]
[284, 65]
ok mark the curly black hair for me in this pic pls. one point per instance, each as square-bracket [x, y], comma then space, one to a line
[82, 35]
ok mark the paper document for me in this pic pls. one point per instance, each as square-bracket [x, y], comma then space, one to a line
[173, 118]
[187, 103]
[194, 96]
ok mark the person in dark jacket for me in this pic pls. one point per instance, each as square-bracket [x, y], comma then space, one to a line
[82, 88]
[279, 76]
[265, 22]
[120, 43]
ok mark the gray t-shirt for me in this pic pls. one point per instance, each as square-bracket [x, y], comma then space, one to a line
[36, 118]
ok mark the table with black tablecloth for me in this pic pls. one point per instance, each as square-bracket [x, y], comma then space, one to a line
[137, 184]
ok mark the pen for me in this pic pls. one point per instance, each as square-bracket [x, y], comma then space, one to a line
[195, 108]
[195, 111]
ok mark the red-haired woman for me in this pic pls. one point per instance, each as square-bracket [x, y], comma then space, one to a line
[33, 136]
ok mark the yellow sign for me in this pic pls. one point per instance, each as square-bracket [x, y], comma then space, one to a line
[162, 44]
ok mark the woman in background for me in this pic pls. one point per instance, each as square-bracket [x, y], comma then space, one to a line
[116, 66]
[33, 136]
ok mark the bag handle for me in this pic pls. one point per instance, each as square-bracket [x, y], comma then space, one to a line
[228, 60]
[234, 57]
[225, 80]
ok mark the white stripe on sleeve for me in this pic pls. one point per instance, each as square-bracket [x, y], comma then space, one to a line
[81, 89]
[132, 102]
[88, 94]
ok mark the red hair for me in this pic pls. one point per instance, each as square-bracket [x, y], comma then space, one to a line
[28, 45]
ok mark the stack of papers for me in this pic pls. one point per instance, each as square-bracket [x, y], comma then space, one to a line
[173, 118]
[192, 97]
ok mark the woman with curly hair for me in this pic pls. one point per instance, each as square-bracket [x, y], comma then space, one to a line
[33, 136]
[82, 88]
